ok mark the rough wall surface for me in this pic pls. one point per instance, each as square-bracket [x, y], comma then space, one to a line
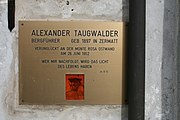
[110, 10]
[154, 44]
[169, 63]
[161, 60]
[178, 64]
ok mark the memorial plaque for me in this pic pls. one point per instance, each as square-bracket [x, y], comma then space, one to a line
[71, 62]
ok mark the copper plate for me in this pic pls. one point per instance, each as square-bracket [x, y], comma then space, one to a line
[71, 62]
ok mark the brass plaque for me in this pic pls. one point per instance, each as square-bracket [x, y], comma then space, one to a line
[71, 62]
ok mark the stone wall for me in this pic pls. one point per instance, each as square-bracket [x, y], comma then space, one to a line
[162, 44]
[101, 10]
[162, 66]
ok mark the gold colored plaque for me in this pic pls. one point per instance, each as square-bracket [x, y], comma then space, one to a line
[71, 62]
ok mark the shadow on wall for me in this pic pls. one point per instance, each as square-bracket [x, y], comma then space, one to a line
[170, 61]
[178, 64]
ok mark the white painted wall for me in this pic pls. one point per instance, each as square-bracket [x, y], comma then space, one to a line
[109, 10]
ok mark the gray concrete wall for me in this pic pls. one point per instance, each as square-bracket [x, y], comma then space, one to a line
[169, 62]
[106, 10]
[154, 50]
[178, 64]
[162, 60]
